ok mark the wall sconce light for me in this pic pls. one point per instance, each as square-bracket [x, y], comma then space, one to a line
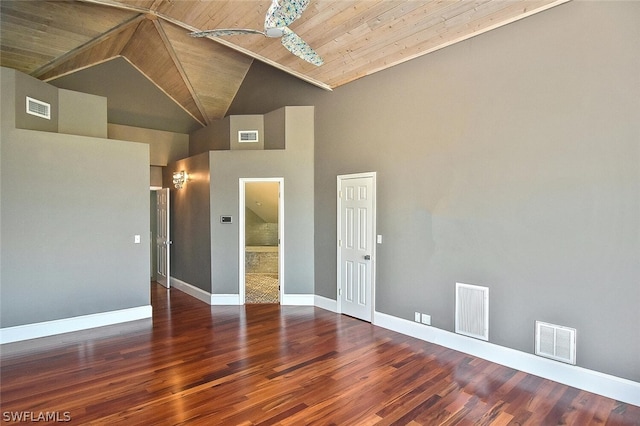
[179, 179]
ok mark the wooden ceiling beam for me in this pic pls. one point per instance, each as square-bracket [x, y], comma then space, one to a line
[148, 53]
[167, 43]
[190, 28]
[355, 37]
[87, 46]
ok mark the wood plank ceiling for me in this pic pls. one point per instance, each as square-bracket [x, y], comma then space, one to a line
[50, 39]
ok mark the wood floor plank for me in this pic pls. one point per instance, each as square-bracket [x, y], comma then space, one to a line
[266, 364]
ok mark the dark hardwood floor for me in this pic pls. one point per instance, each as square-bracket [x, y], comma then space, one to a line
[267, 364]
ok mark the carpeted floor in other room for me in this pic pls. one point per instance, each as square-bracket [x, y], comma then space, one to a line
[261, 288]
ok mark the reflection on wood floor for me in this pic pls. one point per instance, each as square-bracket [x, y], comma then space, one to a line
[261, 288]
[266, 364]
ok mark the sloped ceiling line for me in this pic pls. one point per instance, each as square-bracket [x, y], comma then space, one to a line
[109, 48]
[57, 62]
[51, 39]
[149, 54]
[189, 28]
[169, 46]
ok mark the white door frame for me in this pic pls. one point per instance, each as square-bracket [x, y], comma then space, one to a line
[339, 235]
[241, 234]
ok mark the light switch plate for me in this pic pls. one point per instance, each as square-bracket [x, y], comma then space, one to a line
[379, 239]
[136, 239]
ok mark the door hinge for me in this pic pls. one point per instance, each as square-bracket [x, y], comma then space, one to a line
[339, 243]
[340, 194]
[339, 292]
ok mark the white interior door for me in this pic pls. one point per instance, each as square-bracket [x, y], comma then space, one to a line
[356, 245]
[162, 239]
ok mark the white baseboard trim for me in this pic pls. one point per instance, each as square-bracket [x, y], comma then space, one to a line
[325, 303]
[234, 299]
[206, 297]
[589, 380]
[191, 290]
[67, 325]
[298, 299]
[225, 299]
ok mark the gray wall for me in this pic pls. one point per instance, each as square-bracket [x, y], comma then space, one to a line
[212, 137]
[274, 129]
[134, 100]
[29, 86]
[295, 165]
[189, 220]
[164, 147]
[70, 207]
[510, 160]
[246, 122]
[82, 114]
[223, 134]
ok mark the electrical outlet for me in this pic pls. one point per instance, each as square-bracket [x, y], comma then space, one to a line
[417, 317]
[426, 319]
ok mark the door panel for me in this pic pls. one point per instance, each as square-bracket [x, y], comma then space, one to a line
[355, 246]
[162, 240]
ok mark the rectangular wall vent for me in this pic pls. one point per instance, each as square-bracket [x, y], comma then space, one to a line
[38, 108]
[248, 136]
[472, 311]
[556, 342]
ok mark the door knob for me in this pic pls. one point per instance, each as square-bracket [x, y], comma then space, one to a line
[367, 257]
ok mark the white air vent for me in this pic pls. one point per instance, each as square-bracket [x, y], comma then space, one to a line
[556, 342]
[247, 136]
[472, 311]
[38, 108]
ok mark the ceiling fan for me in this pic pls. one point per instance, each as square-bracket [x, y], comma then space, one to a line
[281, 13]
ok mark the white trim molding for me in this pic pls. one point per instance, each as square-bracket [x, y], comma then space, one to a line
[191, 290]
[234, 299]
[589, 380]
[204, 296]
[298, 299]
[225, 299]
[67, 325]
[325, 303]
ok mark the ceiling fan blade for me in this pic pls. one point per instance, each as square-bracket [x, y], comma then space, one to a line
[283, 12]
[300, 48]
[224, 32]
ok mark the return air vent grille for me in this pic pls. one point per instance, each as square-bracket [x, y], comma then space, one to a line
[472, 311]
[248, 136]
[556, 342]
[38, 108]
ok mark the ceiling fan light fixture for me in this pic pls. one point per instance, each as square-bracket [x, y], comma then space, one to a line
[281, 13]
[274, 32]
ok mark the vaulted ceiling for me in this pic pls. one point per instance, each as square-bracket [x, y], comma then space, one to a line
[50, 39]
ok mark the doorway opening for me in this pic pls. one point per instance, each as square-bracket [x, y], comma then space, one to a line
[261, 240]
